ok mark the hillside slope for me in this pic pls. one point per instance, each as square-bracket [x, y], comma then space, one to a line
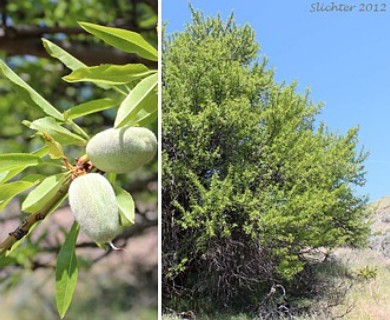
[380, 239]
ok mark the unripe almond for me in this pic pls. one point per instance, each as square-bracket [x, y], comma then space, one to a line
[122, 150]
[93, 203]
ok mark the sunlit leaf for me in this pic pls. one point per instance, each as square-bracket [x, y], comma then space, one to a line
[56, 131]
[28, 94]
[122, 39]
[146, 116]
[144, 95]
[44, 193]
[41, 152]
[66, 271]
[9, 190]
[15, 161]
[66, 58]
[109, 74]
[9, 174]
[90, 107]
[126, 206]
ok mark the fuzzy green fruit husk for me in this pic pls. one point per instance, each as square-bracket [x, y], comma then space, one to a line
[122, 150]
[93, 203]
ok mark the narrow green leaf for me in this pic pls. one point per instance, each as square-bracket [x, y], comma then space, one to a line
[66, 58]
[56, 131]
[111, 176]
[44, 193]
[144, 95]
[15, 161]
[28, 94]
[33, 178]
[126, 207]
[90, 107]
[42, 151]
[147, 120]
[122, 39]
[109, 74]
[7, 175]
[147, 115]
[9, 190]
[58, 53]
[66, 271]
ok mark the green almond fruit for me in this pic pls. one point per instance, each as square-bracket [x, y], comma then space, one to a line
[122, 150]
[93, 203]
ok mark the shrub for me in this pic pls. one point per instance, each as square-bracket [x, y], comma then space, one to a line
[251, 182]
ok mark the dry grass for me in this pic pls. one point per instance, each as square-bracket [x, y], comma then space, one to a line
[214, 317]
[370, 297]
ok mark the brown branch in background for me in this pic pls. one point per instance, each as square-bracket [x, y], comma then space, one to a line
[25, 40]
[32, 219]
[30, 31]
[133, 231]
[89, 54]
[128, 233]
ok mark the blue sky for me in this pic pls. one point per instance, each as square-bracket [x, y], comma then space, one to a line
[343, 57]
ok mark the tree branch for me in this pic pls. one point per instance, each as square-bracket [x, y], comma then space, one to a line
[27, 223]
[25, 40]
[30, 31]
[89, 54]
[128, 233]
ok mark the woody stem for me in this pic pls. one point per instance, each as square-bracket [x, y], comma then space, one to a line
[24, 228]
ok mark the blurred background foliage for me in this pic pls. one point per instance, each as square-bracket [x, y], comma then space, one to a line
[125, 283]
[26, 22]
